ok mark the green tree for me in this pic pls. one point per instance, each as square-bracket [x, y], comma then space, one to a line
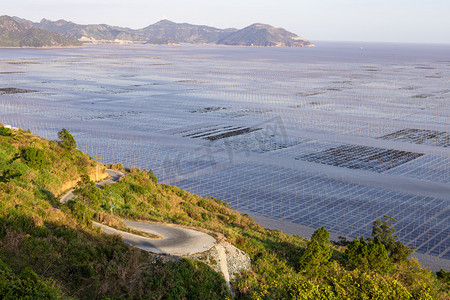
[383, 232]
[66, 140]
[378, 258]
[314, 260]
[356, 254]
[367, 255]
[321, 235]
[88, 193]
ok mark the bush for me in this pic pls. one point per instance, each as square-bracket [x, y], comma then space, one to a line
[81, 212]
[152, 176]
[34, 157]
[5, 131]
[444, 276]
[9, 174]
[188, 279]
[138, 189]
[28, 285]
[362, 285]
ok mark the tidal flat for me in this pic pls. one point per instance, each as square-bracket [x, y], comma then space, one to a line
[337, 136]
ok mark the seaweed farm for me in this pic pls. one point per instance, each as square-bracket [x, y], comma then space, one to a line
[331, 136]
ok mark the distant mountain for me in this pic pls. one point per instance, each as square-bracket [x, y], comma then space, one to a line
[264, 35]
[89, 33]
[162, 32]
[24, 34]
[167, 32]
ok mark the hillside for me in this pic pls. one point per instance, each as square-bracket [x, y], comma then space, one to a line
[50, 250]
[89, 33]
[18, 34]
[265, 36]
[168, 32]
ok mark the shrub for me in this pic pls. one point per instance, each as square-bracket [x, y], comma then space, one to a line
[188, 279]
[444, 276]
[362, 285]
[9, 174]
[152, 176]
[5, 131]
[28, 285]
[83, 162]
[138, 189]
[35, 158]
[81, 212]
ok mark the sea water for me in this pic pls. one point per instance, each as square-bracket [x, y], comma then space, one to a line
[337, 136]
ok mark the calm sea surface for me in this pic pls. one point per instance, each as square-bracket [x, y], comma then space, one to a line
[337, 136]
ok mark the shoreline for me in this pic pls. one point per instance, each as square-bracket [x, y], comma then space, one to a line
[45, 48]
[149, 44]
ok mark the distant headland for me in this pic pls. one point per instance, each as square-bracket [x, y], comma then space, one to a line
[17, 32]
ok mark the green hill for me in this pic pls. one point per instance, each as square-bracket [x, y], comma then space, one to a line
[265, 36]
[168, 32]
[162, 32]
[51, 251]
[18, 34]
[100, 32]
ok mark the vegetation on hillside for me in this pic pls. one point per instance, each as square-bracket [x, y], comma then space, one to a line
[15, 34]
[282, 266]
[264, 35]
[167, 32]
[53, 249]
[58, 248]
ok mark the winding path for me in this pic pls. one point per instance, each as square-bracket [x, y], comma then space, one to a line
[115, 177]
[175, 240]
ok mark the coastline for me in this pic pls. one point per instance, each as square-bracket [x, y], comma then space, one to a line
[55, 47]
[149, 44]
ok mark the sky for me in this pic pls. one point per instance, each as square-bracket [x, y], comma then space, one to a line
[405, 21]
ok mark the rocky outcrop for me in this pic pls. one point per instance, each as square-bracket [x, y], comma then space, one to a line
[228, 260]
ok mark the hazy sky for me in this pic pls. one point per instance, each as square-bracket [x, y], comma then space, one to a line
[339, 20]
